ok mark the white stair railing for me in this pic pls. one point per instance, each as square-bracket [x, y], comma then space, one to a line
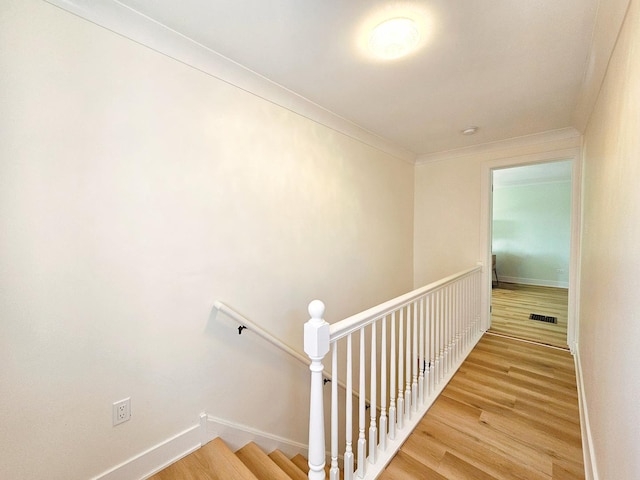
[417, 342]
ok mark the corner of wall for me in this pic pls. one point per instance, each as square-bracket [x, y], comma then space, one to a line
[182, 444]
[590, 467]
[159, 456]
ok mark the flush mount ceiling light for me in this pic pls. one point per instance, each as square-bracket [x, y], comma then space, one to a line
[394, 38]
[469, 131]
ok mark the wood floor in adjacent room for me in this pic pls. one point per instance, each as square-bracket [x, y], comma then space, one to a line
[513, 303]
[510, 412]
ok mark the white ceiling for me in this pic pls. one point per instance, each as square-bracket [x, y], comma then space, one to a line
[511, 67]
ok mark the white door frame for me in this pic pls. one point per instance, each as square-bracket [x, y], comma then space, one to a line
[486, 208]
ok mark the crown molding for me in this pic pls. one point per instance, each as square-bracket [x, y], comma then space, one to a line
[129, 23]
[493, 147]
[606, 31]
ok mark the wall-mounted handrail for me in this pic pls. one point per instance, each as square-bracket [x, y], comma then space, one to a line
[244, 321]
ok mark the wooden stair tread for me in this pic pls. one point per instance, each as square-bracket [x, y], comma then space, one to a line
[301, 462]
[303, 465]
[214, 461]
[290, 468]
[263, 467]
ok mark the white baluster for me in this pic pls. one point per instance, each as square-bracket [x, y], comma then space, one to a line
[459, 334]
[465, 314]
[438, 337]
[407, 387]
[454, 324]
[373, 428]
[432, 341]
[454, 347]
[429, 342]
[348, 454]
[452, 333]
[445, 319]
[316, 346]
[421, 360]
[383, 387]
[400, 418]
[362, 442]
[415, 364]
[469, 310]
[334, 472]
[446, 328]
[392, 380]
[477, 293]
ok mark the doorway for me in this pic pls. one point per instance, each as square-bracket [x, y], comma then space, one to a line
[530, 246]
[536, 258]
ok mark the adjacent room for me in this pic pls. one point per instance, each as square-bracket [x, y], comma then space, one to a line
[531, 242]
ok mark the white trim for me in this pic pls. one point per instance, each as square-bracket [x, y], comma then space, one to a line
[236, 436]
[485, 227]
[524, 340]
[590, 466]
[157, 457]
[573, 316]
[171, 450]
[494, 147]
[135, 26]
[534, 281]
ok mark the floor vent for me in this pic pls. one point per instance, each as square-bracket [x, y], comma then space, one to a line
[543, 318]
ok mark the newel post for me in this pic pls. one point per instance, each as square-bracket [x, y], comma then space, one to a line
[316, 345]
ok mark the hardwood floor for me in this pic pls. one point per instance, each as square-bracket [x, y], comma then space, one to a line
[513, 303]
[510, 412]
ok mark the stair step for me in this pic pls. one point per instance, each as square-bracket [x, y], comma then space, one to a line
[287, 465]
[214, 461]
[260, 464]
[303, 465]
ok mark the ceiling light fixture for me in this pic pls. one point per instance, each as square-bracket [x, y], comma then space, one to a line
[469, 131]
[394, 38]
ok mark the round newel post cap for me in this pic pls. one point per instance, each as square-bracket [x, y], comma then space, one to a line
[316, 309]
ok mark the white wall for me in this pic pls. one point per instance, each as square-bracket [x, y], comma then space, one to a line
[609, 337]
[134, 192]
[449, 199]
[531, 233]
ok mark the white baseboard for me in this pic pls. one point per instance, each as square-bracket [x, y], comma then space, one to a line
[236, 436]
[182, 444]
[534, 281]
[159, 456]
[591, 470]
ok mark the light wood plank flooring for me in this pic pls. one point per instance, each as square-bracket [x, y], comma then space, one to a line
[513, 303]
[510, 412]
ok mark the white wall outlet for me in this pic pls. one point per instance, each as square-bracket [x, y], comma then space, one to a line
[121, 411]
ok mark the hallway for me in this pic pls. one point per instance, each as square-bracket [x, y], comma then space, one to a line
[510, 412]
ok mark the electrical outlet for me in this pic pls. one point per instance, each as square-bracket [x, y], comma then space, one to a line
[121, 411]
